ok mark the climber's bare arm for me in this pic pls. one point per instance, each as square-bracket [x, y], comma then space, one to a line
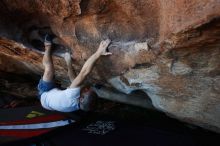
[87, 67]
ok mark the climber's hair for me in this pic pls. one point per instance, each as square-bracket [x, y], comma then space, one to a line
[87, 99]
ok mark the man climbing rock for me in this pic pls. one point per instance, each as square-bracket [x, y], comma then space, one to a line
[68, 100]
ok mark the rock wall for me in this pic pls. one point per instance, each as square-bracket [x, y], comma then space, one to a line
[169, 49]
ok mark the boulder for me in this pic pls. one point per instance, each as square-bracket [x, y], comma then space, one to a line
[170, 50]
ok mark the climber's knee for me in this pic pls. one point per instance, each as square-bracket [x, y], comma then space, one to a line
[47, 64]
[48, 75]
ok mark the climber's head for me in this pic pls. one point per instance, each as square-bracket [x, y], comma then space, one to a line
[87, 99]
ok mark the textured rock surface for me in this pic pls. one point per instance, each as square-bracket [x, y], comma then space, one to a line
[179, 70]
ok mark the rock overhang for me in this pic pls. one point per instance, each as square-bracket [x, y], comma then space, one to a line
[167, 49]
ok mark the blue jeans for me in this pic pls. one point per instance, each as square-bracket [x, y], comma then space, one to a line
[44, 86]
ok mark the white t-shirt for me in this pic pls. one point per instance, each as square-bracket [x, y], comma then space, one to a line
[61, 100]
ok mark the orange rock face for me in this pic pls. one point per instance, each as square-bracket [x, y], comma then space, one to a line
[169, 49]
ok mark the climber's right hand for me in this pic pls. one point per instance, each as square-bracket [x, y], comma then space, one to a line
[102, 50]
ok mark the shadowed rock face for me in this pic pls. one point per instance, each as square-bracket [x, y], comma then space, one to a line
[168, 49]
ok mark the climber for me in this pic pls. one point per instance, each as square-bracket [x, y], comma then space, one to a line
[68, 100]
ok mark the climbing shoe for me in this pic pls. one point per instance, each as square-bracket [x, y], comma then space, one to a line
[48, 39]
